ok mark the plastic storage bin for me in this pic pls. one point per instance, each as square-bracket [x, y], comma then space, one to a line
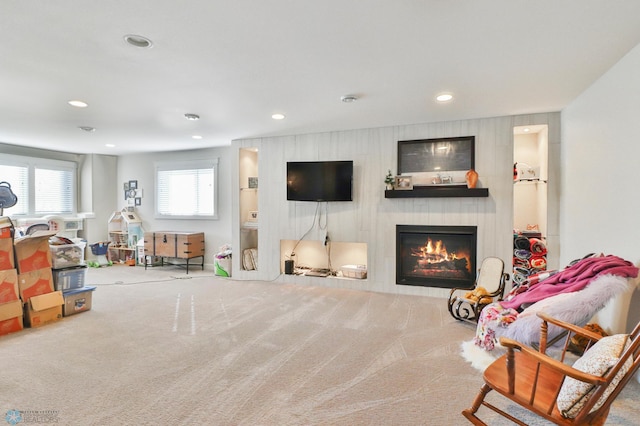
[67, 255]
[70, 278]
[77, 300]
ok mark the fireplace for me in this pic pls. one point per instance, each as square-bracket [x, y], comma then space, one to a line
[436, 256]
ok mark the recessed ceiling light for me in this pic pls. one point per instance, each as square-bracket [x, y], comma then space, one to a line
[109, 145]
[278, 116]
[349, 98]
[444, 97]
[138, 41]
[198, 137]
[78, 104]
[87, 128]
[192, 117]
[526, 130]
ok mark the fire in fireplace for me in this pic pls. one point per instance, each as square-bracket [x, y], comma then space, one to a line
[436, 256]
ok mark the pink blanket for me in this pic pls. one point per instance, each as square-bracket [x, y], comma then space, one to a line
[574, 278]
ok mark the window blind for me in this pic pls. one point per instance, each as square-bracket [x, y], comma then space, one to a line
[53, 190]
[186, 189]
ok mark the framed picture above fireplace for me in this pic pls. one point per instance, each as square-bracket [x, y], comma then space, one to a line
[442, 161]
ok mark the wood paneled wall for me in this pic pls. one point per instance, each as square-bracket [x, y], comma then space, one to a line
[371, 218]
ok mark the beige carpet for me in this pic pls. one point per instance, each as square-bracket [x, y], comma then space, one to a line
[161, 347]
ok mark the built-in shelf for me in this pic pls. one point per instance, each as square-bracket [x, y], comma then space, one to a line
[437, 191]
[536, 180]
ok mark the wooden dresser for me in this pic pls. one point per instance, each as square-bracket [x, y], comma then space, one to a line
[175, 245]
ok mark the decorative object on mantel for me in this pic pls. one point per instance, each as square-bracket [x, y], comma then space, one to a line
[389, 180]
[403, 183]
[472, 178]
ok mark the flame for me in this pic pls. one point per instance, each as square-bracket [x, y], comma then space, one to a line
[433, 252]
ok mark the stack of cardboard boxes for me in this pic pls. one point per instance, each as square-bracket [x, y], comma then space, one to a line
[43, 305]
[28, 296]
[10, 303]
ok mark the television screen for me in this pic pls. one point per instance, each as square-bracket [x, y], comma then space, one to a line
[319, 180]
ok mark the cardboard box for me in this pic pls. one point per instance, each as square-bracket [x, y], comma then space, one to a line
[6, 254]
[35, 283]
[43, 309]
[5, 232]
[32, 252]
[77, 300]
[70, 278]
[9, 286]
[11, 317]
[6, 228]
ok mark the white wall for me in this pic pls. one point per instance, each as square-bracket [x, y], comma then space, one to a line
[371, 218]
[600, 152]
[141, 167]
[97, 176]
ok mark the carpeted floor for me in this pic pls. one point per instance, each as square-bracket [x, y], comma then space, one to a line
[161, 347]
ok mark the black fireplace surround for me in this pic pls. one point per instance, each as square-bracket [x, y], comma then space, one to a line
[436, 256]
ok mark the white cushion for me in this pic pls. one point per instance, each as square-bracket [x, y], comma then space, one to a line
[597, 361]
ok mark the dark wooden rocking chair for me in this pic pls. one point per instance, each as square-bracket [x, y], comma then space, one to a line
[538, 382]
[491, 278]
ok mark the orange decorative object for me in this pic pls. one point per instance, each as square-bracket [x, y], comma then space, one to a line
[472, 178]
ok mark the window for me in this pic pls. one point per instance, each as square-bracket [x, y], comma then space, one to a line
[187, 190]
[43, 186]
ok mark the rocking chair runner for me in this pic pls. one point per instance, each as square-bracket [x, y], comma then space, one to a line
[565, 395]
[465, 304]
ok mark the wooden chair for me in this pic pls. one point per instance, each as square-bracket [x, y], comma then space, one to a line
[538, 382]
[489, 285]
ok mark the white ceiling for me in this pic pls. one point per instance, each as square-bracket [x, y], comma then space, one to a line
[236, 62]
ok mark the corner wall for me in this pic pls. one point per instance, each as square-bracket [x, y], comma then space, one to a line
[600, 202]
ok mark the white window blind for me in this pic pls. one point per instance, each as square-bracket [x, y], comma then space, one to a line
[187, 189]
[54, 191]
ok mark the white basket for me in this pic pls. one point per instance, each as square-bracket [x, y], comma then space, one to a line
[354, 271]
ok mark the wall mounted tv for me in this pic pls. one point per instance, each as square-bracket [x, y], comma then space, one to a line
[320, 180]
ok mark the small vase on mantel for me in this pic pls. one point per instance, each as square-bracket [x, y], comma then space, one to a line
[472, 178]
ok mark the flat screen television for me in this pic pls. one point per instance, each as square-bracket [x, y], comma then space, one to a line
[320, 180]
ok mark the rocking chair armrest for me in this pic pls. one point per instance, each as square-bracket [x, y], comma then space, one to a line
[576, 329]
[549, 362]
